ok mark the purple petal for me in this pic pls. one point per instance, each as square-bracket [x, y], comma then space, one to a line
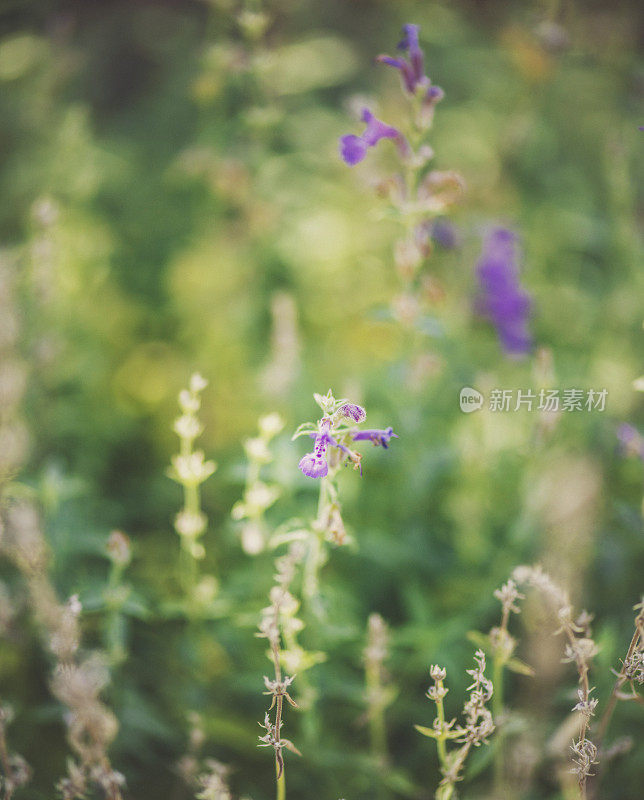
[376, 130]
[314, 466]
[376, 435]
[352, 149]
[435, 94]
[411, 44]
[406, 70]
[398, 63]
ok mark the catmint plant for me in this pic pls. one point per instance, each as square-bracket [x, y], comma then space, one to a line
[502, 646]
[631, 674]
[258, 495]
[277, 621]
[190, 469]
[334, 436]
[579, 649]
[477, 726]
[78, 678]
[502, 299]
[418, 195]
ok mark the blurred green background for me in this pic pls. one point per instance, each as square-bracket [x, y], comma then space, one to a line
[172, 200]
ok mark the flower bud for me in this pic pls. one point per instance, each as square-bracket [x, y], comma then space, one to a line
[118, 548]
[353, 412]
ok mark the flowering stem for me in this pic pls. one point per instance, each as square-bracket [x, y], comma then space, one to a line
[191, 505]
[314, 557]
[499, 661]
[614, 697]
[190, 470]
[637, 639]
[440, 741]
[115, 623]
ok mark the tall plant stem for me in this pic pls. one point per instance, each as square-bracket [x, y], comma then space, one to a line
[280, 785]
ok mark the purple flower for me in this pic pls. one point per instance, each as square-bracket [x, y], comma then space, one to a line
[412, 69]
[354, 412]
[502, 300]
[314, 465]
[378, 436]
[631, 440]
[354, 148]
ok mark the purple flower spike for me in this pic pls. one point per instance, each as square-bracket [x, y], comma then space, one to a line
[411, 45]
[354, 412]
[354, 148]
[376, 435]
[502, 300]
[412, 69]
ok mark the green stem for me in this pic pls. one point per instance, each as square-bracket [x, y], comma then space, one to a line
[377, 726]
[314, 556]
[189, 566]
[281, 785]
[115, 623]
[497, 713]
[440, 741]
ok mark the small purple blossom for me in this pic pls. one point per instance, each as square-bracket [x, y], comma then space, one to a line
[354, 412]
[354, 148]
[412, 69]
[502, 300]
[314, 465]
[631, 440]
[378, 436]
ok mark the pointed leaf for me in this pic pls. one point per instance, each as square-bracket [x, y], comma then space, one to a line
[481, 640]
[304, 429]
[426, 731]
[516, 665]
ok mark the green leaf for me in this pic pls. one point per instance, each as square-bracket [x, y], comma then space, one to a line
[515, 665]
[426, 731]
[289, 536]
[481, 640]
[303, 430]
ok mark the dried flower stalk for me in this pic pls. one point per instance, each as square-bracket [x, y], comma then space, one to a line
[77, 680]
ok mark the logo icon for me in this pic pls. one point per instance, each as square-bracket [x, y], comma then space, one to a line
[470, 399]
